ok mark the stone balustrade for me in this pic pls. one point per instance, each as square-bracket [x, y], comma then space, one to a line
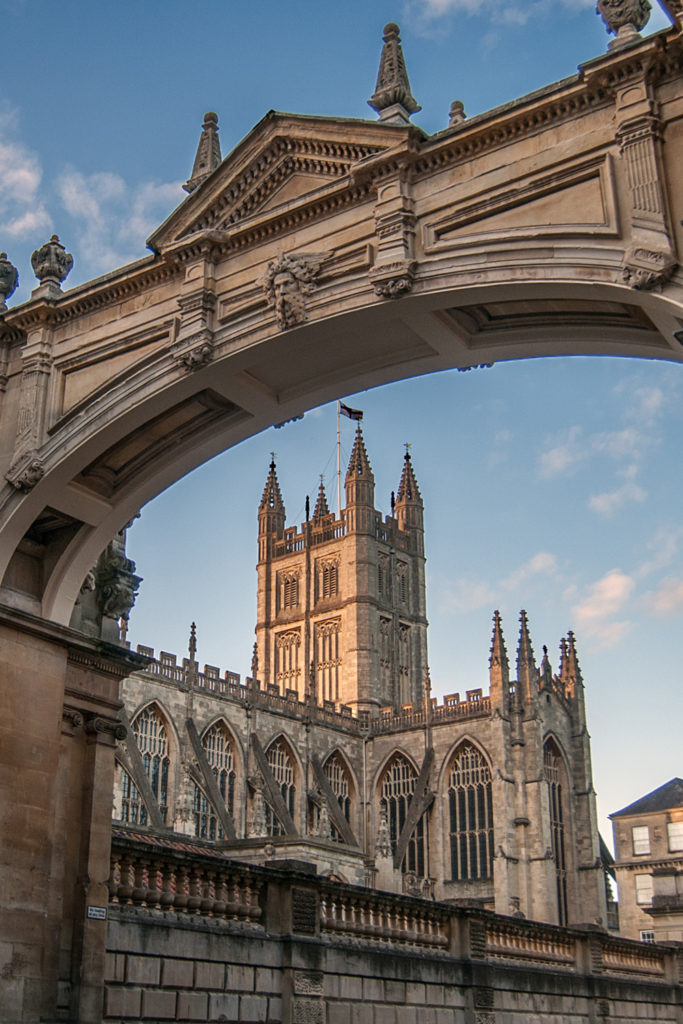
[367, 914]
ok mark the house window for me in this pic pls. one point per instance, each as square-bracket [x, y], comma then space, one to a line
[287, 668]
[674, 831]
[554, 775]
[396, 791]
[282, 767]
[150, 736]
[328, 658]
[644, 890]
[219, 754]
[471, 815]
[647, 936]
[641, 839]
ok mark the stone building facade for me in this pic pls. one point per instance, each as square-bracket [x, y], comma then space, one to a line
[648, 846]
[338, 755]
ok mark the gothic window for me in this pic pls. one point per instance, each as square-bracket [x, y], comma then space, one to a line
[327, 578]
[396, 790]
[287, 668]
[150, 735]
[404, 662]
[402, 582]
[471, 815]
[288, 589]
[383, 576]
[338, 778]
[385, 656]
[328, 658]
[219, 754]
[281, 765]
[132, 808]
[554, 775]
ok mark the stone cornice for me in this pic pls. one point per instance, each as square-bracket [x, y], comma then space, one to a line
[98, 654]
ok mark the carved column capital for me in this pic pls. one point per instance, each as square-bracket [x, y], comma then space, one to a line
[193, 344]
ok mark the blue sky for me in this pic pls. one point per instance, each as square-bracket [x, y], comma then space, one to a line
[552, 485]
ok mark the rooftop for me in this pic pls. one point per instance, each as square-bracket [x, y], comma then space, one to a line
[663, 799]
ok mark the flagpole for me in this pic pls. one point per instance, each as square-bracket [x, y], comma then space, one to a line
[338, 463]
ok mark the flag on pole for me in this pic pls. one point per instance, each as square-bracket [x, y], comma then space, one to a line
[353, 414]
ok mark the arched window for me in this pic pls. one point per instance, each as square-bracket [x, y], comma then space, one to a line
[396, 790]
[471, 815]
[150, 735]
[219, 754]
[328, 658]
[553, 768]
[281, 765]
[340, 783]
[132, 808]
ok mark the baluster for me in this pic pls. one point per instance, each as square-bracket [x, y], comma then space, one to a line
[182, 890]
[208, 894]
[247, 898]
[195, 898]
[141, 884]
[220, 906]
[154, 891]
[114, 878]
[168, 888]
[127, 877]
[256, 911]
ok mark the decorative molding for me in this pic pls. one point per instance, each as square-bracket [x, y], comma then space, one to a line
[648, 270]
[26, 470]
[288, 281]
[392, 280]
[98, 725]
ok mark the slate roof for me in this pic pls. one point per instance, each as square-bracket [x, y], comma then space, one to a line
[663, 799]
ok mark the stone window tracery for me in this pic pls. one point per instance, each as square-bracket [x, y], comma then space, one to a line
[471, 815]
[281, 765]
[219, 753]
[328, 658]
[340, 783]
[402, 582]
[150, 735]
[287, 668]
[383, 576]
[327, 578]
[554, 774]
[288, 589]
[396, 790]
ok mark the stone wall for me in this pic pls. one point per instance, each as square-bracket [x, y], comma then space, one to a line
[192, 936]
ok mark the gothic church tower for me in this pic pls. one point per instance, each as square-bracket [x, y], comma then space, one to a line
[341, 602]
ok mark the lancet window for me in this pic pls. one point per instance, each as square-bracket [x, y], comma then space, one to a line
[287, 668]
[383, 576]
[328, 658]
[554, 774]
[396, 790]
[340, 783]
[150, 734]
[219, 753]
[281, 765]
[402, 582]
[470, 814]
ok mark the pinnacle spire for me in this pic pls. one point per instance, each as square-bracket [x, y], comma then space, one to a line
[573, 678]
[271, 499]
[546, 672]
[526, 663]
[392, 98]
[499, 667]
[208, 152]
[321, 507]
[359, 463]
[408, 489]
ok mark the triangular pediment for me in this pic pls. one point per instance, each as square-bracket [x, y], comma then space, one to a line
[285, 160]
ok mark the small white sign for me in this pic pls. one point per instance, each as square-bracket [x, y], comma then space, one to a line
[97, 913]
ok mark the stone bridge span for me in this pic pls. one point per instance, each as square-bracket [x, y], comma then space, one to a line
[327, 255]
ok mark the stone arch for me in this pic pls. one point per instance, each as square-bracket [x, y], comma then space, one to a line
[465, 738]
[234, 738]
[394, 789]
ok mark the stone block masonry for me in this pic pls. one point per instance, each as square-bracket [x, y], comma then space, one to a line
[367, 957]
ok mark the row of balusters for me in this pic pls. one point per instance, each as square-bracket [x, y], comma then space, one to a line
[503, 941]
[379, 919]
[162, 884]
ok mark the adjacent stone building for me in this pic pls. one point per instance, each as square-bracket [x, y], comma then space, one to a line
[335, 752]
[648, 844]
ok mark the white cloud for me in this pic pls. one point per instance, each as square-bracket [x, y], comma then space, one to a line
[595, 615]
[608, 503]
[113, 218]
[667, 599]
[563, 455]
[663, 547]
[543, 562]
[22, 208]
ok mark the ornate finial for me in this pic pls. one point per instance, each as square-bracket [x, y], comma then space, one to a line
[393, 502]
[308, 508]
[273, 456]
[392, 98]
[9, 279]
[51, 264]
[208, 152]
[456, 114]
[254, 661]
[624, 18]
[192, 645]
